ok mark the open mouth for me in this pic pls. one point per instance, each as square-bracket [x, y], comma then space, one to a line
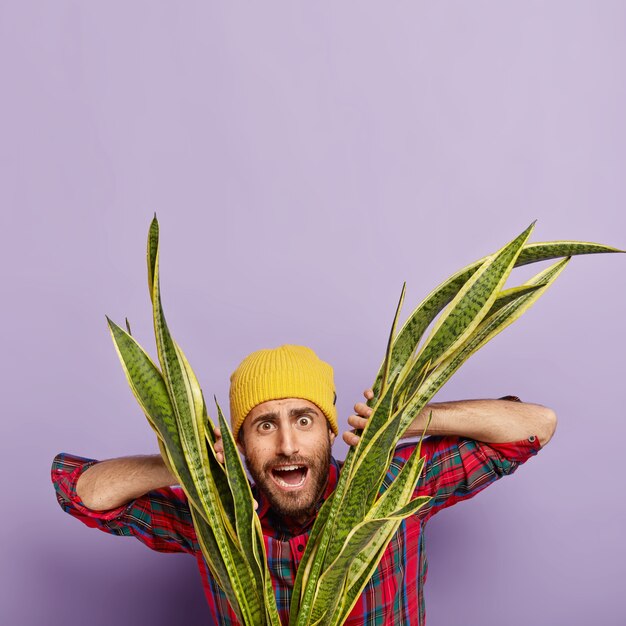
[290, 476]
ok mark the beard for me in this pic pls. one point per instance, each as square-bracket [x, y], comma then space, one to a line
[298, 503]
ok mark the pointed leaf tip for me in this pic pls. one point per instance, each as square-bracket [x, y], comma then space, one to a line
[111, 323]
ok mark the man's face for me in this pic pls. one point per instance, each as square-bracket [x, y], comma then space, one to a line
[286, 444]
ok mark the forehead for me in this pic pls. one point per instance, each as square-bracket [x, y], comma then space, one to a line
[282, 406]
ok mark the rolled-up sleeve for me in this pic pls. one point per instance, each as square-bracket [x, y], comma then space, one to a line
[160, 519]
[457, 468]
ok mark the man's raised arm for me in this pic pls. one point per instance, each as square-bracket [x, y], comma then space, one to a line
[109, 484]
[489, 421]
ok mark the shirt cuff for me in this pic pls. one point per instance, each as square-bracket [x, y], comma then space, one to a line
[520, 450]
[65, 476]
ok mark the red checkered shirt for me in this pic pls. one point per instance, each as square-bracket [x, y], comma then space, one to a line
[455, 469]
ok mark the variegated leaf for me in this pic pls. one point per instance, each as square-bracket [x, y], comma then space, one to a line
[468, 307]
[488, 329]
[413, 329]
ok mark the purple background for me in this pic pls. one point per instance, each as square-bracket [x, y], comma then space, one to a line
[304, 160]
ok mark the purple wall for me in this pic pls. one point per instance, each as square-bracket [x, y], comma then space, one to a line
[303, 162]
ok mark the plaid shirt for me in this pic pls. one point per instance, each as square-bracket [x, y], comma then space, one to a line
[455, 469]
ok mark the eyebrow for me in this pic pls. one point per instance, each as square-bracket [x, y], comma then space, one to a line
[293, 413]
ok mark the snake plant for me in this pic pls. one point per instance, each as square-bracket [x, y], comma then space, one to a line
[354, 525]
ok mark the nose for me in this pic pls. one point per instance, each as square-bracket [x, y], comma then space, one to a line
[287, 441]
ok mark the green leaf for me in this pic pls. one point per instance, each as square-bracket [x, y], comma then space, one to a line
[224, 493]
[377, 420]
[306, 562]
[391, 503]
[153, 246]
[392, 333]
[509, 295]
[547, 250]
[271, 611]
[373, 453]
[330, 585]
[365, 562]
[190, 413]
[353, 590]
[496, 304]
[361, 543]
[401, 489]
[486, 331]
[413, 329]
[184, 398]
[149, 389]
[212, 554]
[468, 307]
[242, 497]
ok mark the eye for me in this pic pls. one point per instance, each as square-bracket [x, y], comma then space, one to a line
[266, 426]
[304, 421]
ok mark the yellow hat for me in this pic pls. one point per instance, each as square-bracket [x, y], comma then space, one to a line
[284, 372]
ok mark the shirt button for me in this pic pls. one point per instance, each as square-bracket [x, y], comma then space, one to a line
[532, 438]
[300, 548]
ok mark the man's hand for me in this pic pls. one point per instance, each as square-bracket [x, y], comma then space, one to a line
[359, 420]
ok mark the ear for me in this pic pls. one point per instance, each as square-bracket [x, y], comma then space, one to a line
[241, 446]
[331, 436]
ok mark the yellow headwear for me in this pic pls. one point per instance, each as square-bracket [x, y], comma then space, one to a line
[284, 372]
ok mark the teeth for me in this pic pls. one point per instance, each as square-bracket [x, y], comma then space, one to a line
[287, 468]
[282, 483]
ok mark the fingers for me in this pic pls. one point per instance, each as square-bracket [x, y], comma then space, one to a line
[363, 410]
[218, 445]
[256, 504]
[350, 438]
[357, 422]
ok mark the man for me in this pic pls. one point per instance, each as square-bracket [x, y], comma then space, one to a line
[284, 418]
